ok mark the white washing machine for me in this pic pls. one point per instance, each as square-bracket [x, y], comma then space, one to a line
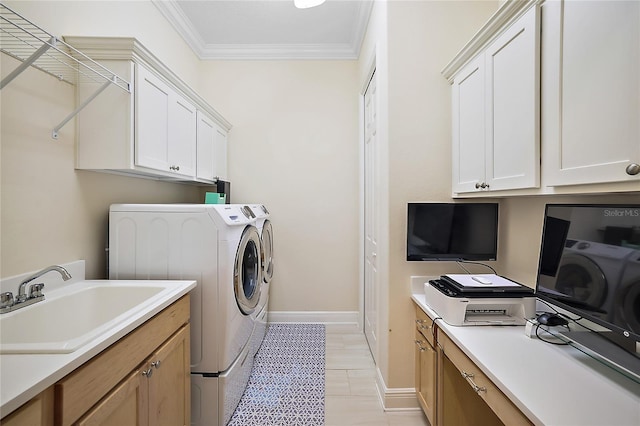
[217, 245]
[627, 311]
[263, 224]
[591, 273]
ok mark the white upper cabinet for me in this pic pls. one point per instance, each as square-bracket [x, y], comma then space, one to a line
[591, 92]
[163, 131]
[165, 126]
[495, 117]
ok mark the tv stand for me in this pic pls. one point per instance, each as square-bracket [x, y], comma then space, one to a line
[609, 348]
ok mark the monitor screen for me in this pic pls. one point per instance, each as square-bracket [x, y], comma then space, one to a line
[590, 263]
[452, 231]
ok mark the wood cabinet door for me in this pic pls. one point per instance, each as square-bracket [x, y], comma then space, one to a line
[513, 105]
[127, 404]
[426, 376]
[169, 382]
[469, 127]
[590, 91]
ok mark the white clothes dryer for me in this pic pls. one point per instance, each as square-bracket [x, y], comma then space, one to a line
[218, 246]
[592, 272]
[263, 224]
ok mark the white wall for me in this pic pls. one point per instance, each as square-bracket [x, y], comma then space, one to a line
[294, 147]
[51, 213]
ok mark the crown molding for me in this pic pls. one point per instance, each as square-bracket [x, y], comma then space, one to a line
[499, 21]
[337, 51]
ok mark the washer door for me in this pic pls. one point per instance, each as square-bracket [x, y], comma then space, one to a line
[247, 271]
[582, 279]
[267, 251]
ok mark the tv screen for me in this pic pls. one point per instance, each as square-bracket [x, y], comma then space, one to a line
[452, 231]
[590, 264]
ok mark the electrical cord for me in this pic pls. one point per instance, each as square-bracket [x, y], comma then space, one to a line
[560, 343]
[459, 262]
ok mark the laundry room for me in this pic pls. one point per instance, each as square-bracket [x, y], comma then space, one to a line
[296, 143]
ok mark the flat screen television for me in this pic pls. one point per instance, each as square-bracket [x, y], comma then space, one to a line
[590, 266]
[452, 231]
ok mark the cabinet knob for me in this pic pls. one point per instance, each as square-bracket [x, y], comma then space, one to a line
[478, 185]
[156, 364]
[482, 185]
[633, 169]
[147, 373]
[176, 168]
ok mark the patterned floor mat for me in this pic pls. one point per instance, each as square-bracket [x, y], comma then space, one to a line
[286, 386]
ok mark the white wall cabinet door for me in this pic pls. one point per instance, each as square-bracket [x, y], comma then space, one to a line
[165, 126]
[206, 139]
[469, 127]
[513, 105]
[152, 107]
[212, 149]
[182, 136]
[220, 153]
[591, 92]
[496, 142]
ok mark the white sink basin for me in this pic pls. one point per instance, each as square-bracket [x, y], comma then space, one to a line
[75, 315]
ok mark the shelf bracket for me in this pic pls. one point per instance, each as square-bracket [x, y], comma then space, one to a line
[28, 62]
[54, 133]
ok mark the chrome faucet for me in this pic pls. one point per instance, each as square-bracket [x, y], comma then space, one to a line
[8, 303]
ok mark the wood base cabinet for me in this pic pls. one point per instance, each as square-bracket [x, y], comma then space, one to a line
[142, 380]
[450, 388]
[37, 412]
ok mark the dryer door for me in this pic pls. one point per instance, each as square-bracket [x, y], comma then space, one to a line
[582, 279]
[267, 251]
[247, 271]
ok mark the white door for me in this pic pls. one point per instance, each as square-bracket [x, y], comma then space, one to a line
[370, 219]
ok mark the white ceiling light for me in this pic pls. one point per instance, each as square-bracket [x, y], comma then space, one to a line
[305, 4]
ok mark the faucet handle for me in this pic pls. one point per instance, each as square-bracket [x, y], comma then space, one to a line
[6, 300]
[35, 290]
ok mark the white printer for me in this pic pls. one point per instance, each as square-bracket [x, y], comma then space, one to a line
[480, 299]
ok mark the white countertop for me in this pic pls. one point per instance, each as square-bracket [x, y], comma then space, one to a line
[23, 376]
[550, 384]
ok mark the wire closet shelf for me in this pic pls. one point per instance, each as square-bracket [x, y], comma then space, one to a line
[32, 46]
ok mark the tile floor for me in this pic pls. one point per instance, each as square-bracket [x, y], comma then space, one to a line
[351, 397]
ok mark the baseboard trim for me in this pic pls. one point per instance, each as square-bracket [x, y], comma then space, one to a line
[325, 317]
[396, 399]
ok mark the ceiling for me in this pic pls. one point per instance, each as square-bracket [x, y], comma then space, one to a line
[269, 29]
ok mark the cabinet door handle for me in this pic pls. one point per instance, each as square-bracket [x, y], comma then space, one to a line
[633, 169]
[176, 168]
[147, 373]
[423, 325]
[469, 378]
[478, 185]
[156, 364]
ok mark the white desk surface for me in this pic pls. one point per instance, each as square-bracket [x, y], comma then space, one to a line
[550, 384]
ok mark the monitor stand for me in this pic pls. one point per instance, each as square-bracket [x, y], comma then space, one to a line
[622, 355]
